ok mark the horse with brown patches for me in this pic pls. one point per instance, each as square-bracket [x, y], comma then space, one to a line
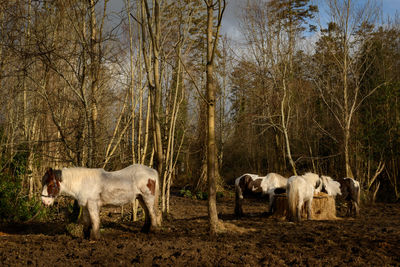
[252, 184]
[94, 188]
[350, 190]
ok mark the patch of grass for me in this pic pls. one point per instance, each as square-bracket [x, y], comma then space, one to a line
[201, 195]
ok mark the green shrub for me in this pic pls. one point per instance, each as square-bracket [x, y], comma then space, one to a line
[198, 195]
[202, 195]
[220, 194]
[14, 205]
[185, 193]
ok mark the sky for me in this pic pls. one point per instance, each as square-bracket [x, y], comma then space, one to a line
[230, 22]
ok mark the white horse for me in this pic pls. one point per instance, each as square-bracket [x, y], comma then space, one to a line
[94, 188]
[330, 186]
[300, 191]
[249, 184]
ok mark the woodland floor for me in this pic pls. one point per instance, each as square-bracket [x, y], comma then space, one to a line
[373, 239]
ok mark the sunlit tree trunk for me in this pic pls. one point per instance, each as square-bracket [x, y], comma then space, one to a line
[212, 43]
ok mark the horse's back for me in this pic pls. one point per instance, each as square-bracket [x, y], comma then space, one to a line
[80, 172]
[355, 183]
[277, 180]
[81, 176]
[250, 175]
[136, 172]
[300, 185]
[123, 185]
[310, 177]
[297, 180]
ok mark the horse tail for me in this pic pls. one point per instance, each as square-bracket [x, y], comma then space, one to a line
[358, 191]
[293, 199]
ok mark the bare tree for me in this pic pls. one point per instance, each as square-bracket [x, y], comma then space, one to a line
[272, 31]
[212, 44]
[343, 99]
[151, 25]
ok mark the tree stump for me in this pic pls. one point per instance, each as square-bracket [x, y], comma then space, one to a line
[323, 207]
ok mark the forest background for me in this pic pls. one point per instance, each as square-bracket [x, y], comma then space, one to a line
[84, 84]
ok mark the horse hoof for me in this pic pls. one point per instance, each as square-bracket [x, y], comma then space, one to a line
[239, 215]
[94, 236]
[145, 229]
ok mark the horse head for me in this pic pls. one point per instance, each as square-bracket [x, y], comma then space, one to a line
[51, 186]
[245, 183]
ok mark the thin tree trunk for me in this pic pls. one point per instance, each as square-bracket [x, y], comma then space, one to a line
[132, 80]
[170, 165]
[285, 122]
[347, 116]
[153, 25]
[146, 135]
[212, 42]
[93, 111]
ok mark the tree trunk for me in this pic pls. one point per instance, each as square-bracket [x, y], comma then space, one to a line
[210, 88]
[285, 122]
[154, 76]
[94, 68]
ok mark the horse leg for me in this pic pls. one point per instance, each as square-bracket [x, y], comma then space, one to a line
[94, 213]
[147, 219]
[348, 208]
[355, 209]
[271, 202]
[351, 209]
[86, 222]
[309, 209]
[238, 203]
[298, 211]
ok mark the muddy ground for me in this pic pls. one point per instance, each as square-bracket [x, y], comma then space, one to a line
[373, 239]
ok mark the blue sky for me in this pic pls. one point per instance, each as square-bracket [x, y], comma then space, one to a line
[230, 23]
[391, 6]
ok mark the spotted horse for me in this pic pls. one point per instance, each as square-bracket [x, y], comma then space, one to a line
[94, 188]
[252, 184]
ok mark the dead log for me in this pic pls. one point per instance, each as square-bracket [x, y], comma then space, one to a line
[323, 207]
